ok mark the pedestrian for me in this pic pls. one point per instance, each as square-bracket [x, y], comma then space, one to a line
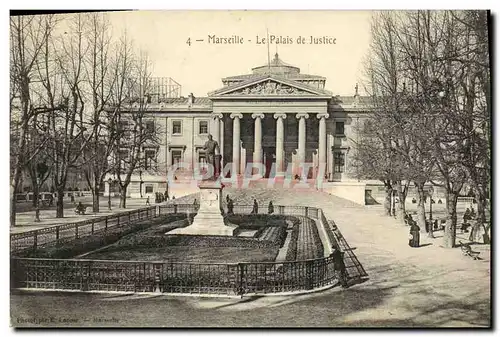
[339, 267]
[166, 195]
[270, 208]
[414, 237]
[227, 198]
[230, 207]
[147, 202]
[255, 208]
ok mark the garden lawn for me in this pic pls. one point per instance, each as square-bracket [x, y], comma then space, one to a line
[191, 254]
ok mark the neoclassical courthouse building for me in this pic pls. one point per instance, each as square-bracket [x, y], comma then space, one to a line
[274, 115]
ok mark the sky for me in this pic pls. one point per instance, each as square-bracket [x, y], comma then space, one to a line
[200, 66]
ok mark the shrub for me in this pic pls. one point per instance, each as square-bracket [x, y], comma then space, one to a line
[274, 234]
[255, 221]
[291, 253]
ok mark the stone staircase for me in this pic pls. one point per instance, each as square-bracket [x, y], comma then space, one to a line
[279, 196]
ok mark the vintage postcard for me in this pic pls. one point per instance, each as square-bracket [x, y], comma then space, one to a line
[250, 169]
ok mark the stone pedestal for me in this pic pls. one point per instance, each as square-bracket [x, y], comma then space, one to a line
[209, 220]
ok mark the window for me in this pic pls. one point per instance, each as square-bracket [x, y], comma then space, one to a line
[339, 128]
[149, 189]
[176, 127]
[150, 127]
[203, 127]
[339, 162]
[149, 158]
[176, 156]
[202, 157]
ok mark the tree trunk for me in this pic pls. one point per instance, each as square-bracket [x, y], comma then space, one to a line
[480, 196]
[421, 206]
[123, 197]
[401, 209]
[60, 203]
[35, 187]
[387, 201]
[450, 230]
[13, 202]
[95, 194]
[476, 232]
[95, 200]
[16, 176]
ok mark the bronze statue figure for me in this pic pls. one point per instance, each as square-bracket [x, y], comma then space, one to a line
[213, 158]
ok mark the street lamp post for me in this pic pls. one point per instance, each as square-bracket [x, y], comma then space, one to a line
[110, 181]
[140, 183]
[431, 192]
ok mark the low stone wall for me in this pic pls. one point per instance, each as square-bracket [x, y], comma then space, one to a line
[353, 191]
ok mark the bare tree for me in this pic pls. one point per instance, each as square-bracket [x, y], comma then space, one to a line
[28, 35]
[440, 64]
[388, 125]
[130, 129]
[101, 78]
[67, 128]
[426, 69]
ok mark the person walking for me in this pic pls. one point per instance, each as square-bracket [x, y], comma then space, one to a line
[339, 267]
[414, 237]
[270, 208]
[147, 202]
[255, 209]
[230, 207]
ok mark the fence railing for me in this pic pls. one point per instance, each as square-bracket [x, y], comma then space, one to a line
[167, 277]
[71, 231]
[59, 234]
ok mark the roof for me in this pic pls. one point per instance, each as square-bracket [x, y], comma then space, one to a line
[290, 76]
[184, 101]
[261, 77]
[350, 99]
[276, 66]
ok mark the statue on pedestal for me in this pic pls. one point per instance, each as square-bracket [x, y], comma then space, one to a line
[213, 156]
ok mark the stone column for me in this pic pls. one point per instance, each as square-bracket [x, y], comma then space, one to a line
[301, 150]
[280, 142]
[322, 140]
[221, 136]
[236, 142]
[216, 130]
[257, 149]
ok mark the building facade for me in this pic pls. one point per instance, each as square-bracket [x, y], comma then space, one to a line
[275, 116]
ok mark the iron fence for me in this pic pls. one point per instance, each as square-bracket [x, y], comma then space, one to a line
[59, 234]
[169, 277]
[71, 231]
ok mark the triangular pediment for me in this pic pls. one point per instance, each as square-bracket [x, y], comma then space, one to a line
[269, 86]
